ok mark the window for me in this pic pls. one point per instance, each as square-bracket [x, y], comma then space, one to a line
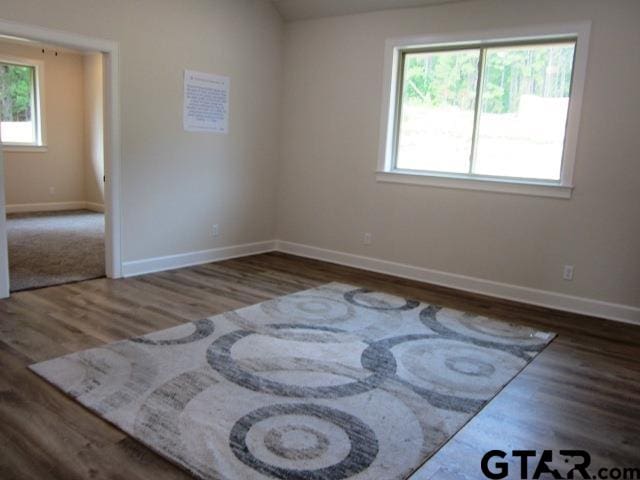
[20, 117]
[491, 113]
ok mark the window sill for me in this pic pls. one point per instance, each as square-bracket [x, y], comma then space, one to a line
[24, 148]
[484, 184]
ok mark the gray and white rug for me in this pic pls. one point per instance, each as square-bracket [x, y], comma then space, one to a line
[330, 383]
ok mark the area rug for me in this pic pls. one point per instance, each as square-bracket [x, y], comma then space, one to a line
[330, 383]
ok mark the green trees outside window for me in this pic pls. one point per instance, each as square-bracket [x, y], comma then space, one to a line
[497, 110]
[17, 104]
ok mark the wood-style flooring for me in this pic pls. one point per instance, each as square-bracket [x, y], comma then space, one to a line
[582, 392]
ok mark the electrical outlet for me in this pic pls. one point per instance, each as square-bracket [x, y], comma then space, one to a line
[52, 190]
[215, 230]
[567, 273]
[368, 239]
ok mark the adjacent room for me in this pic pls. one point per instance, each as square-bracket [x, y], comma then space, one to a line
[52, 137]
[320, 239]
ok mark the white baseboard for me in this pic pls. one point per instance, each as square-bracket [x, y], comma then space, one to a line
[44, 207]
[544, 298]
[53, 207]
[170, 262]
[94, 207]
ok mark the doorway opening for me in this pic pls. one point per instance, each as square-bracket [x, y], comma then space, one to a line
[51, 128]
[59, 158]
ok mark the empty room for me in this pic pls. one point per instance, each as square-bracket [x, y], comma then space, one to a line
[319, 239]
[52, 136]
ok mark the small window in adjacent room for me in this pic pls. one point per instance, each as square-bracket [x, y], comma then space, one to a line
[19, 104]
[489, 114]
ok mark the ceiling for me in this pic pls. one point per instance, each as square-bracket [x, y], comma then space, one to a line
[306, 9]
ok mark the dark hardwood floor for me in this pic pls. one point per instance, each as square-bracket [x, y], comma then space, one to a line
[582, 392]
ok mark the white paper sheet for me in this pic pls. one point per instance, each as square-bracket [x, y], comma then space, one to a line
[206, 102]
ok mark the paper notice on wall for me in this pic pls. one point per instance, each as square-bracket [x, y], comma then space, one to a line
[206, 102]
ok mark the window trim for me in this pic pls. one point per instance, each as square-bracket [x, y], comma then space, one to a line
[389, 125]
[40, 145]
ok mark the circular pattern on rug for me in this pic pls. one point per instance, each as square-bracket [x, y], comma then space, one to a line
[494, 329]
[203, 329]
[376, 359]
[308, 308]
[361, 445]
[363, 297]
[131, 383]
[296, 442]
[445, 365]
[480, 329]
[470, 366]
[309, 333]
[158, 419]
[84, 373]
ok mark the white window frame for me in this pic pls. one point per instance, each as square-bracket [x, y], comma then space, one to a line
[562, 188]
[41, 138]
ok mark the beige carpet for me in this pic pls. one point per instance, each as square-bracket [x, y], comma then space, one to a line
[330, 383]
[51, 248]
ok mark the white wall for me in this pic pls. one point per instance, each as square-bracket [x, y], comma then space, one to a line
[30, 175]
[93, 129]
[331, 117]
[175, 184]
